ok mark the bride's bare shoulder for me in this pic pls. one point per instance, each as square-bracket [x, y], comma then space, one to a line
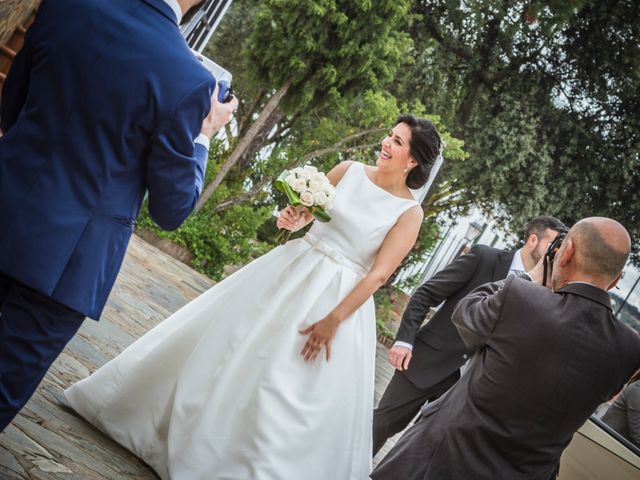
[337, 172]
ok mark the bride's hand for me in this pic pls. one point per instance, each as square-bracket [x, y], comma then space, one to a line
[291, 219]
[321, 334]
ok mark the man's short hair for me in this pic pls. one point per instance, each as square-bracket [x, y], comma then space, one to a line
[538, 225]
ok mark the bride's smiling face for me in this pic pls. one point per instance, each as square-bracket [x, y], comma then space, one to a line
[395, 153]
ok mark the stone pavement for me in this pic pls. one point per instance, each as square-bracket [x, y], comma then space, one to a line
[47, 441]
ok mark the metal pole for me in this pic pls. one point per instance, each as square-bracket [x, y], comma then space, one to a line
[436, 252]
[445, 250]
[457, 250]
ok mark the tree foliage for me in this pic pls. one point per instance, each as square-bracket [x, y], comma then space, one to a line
[327, 47]
[307, 53]
[536, 100]
[543, 93]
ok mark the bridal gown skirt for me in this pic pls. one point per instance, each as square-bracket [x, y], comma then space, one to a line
[219, 389]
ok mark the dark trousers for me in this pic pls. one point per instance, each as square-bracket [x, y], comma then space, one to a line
[34, 329]
[401, 402]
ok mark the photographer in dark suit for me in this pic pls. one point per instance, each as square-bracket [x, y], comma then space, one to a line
[545, 359]
[428, 359]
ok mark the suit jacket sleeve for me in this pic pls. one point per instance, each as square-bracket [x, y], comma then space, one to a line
[436, 290]
[16, 85]
[176, 165]
[477, 314]
[633, 410]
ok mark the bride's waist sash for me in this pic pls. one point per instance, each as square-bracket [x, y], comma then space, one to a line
[335, 255]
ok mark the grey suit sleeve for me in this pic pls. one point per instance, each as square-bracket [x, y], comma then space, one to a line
[477, 314]
[436, 290]
[633, 411]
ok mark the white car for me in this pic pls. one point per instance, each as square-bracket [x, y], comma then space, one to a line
[597, 452]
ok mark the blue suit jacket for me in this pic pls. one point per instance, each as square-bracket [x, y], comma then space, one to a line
[102, 103]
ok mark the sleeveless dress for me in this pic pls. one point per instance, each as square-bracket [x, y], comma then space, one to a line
[219, 390]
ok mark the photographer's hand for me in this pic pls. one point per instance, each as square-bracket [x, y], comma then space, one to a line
[219, 115]
[537, 272]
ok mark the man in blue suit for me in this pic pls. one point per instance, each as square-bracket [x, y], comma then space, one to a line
[104, 102]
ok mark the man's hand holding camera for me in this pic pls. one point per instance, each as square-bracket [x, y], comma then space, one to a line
[544, 267]
[219, 115]
[537, 272]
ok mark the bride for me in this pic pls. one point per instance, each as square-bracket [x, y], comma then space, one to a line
[270, 373]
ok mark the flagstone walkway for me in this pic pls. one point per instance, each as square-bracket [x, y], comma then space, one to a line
[48, 441]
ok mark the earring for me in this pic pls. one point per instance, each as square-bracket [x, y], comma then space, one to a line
[406, 170]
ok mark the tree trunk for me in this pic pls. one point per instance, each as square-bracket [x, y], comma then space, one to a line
[260, 138]
[467, 104]
[248, 143]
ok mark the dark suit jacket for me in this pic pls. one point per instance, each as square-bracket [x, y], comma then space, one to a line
[438, 350]
[102, 103]
[545, 362]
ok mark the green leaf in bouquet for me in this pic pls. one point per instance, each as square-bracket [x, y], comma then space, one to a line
[281, 181]
[321, 215]
[282, 185]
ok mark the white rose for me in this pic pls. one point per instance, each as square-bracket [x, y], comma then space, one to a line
[329, 205]
[291, 179]
[315, 185]
[320, 198]
[310, 170]
[306, 198]
[299, 185]
[330, 191]
[302, 173]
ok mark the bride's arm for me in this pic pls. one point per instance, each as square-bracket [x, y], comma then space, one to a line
[395, 247]
[295, 219]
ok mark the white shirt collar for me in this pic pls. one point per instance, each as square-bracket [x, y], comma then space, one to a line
[583, 283]
[516, 263]
[175, 6]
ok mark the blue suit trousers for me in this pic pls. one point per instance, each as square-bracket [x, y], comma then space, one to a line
[34, 329]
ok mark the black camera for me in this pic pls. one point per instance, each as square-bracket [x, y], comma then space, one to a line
[553, 248]
[222, 77]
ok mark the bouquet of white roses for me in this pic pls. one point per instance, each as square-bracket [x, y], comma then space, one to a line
[306, 187]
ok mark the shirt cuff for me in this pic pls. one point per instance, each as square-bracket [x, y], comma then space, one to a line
[203, 140]
[403, 344]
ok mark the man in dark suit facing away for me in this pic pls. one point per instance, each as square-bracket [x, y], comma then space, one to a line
[545, 359]
[104, 102]
[427, 359]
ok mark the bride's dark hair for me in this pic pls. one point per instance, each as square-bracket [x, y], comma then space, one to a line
[425, 146]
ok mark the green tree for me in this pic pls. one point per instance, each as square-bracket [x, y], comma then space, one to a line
[320, 124]
[305, 53]
[543, 93]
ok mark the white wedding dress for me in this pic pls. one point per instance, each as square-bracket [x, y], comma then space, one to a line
[219, 389]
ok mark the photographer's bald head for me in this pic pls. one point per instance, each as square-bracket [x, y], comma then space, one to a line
[595, 251]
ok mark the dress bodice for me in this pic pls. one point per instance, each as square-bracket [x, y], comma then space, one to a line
[362, 215]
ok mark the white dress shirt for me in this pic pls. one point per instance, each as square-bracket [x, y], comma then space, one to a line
[517, 267]
[175, 6]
